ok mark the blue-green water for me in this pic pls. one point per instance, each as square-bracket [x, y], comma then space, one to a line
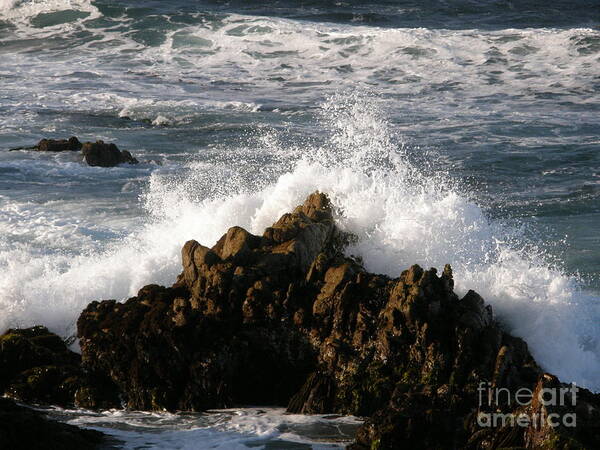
[461, 132]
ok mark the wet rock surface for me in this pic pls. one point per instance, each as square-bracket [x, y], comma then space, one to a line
[37, 367]
[285, 318]
[59, 145]
[105, 155]
[96, 153]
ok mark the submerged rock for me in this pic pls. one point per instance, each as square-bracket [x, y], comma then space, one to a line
[22, 428]
[105, 155]
[285, 318]
[37, 367]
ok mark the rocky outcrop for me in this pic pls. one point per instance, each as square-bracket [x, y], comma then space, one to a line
[94, 153]
[105, 155]
[22, 428]
[285, 318]
[218, 336]
[59, 145]
[37, 367]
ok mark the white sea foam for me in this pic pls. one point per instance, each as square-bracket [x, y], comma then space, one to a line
[20, 13]
[219, 429]
[400, 215]
[6, 5]
[456, 67]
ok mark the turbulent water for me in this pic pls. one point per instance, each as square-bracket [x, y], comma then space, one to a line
[461, 132]
[259, 428]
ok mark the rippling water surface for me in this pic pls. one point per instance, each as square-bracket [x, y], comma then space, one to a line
[462, 132]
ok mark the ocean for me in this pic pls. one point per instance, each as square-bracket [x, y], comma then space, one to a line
[463, 132]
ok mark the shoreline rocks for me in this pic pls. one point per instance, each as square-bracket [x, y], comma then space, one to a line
[285, 318]
[36, 367]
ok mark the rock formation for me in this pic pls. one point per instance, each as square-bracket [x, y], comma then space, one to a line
[105, 155]
[37, 367]
[59, 145]
[94, 153]
[285, 318]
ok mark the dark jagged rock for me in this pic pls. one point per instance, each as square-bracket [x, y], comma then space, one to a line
[22, 428]
[574, 420]
[59, 145]
[286, 318]
[37, 367]
[94, 153]
[105, 155]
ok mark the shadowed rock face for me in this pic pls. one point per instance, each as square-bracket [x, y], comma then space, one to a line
[24, 429]
[37, 367]
[285, 318]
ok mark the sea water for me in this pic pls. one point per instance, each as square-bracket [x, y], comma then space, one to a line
[464, 132]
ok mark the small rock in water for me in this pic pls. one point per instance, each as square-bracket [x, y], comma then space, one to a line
[105, 155]
[94, 153]
[59, 145]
